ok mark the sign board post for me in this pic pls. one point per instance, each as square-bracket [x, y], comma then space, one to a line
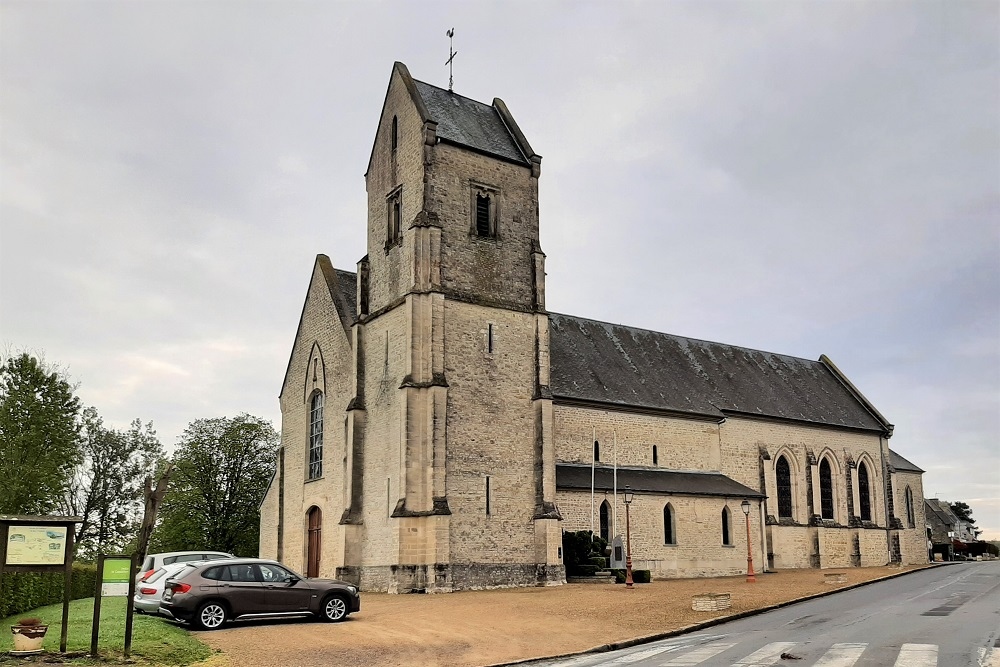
[115, 578]
[40, 544]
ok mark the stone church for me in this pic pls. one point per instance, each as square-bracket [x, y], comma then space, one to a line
[441, 428]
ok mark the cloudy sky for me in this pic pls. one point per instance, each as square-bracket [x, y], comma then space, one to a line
[803, 178]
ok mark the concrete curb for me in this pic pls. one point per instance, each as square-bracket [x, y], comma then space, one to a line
[628, 643]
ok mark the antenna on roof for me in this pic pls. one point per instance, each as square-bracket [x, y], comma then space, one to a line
[451, 56]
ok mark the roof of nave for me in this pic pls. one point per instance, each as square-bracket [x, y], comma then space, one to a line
[651, 480]
[615, 365]
[347, 284]
[899, 463]
[466, 122]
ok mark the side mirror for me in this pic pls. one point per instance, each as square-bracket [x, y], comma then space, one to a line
[293, 580]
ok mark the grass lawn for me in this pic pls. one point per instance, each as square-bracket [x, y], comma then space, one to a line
[154, 641]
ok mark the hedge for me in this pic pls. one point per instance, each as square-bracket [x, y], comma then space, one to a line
[24, 591]
[638, 576]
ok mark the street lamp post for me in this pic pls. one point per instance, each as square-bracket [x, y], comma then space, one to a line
[628, 540]
[751, 578]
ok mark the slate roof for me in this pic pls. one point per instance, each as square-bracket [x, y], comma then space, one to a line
[899, 463]
[469, 123]
[940, 511]
[347, 282]
[613, 364]
[574, 476]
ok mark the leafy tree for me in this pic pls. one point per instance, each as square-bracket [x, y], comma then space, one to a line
[962, 511]
[39, 431]
[107, 488]
[223, 467]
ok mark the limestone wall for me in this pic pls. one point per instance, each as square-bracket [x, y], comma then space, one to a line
[697, 550]
[495, 271]
[490, 433]
[387, 348]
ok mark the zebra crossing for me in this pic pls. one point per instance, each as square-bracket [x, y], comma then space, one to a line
[691, 654]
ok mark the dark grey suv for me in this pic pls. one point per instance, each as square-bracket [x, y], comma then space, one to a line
[209, 593]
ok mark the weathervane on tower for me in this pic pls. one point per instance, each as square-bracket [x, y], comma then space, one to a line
[451, 57]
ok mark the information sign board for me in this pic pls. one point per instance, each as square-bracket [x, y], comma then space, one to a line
[114, 582]
[36, 545]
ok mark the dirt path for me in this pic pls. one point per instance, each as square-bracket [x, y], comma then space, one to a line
[476, 628]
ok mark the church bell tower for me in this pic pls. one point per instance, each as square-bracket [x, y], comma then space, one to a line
[452, 417]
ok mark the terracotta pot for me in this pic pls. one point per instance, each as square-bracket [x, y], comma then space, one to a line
[28, 637]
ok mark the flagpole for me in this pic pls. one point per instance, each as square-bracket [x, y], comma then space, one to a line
[593, 463]
[614, 520]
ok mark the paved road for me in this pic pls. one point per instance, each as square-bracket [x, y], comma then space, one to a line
[941, 617]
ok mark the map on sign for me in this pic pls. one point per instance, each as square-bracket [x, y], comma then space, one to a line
[36, 545]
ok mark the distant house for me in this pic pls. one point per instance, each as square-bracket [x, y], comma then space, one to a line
[946, 531]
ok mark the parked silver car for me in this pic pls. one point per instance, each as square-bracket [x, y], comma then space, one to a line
[153, 562]
[149, 591]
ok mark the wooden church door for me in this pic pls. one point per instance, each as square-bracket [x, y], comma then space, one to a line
[313, 549]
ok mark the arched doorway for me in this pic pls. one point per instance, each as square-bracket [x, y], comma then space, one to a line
[314, 541]
[605, 521]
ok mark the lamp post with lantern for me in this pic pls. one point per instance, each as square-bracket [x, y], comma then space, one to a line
[628, 540]
[751, 578]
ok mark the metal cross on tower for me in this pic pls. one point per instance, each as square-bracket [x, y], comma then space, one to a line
[451, 57]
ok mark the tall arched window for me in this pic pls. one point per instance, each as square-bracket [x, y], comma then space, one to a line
[656, 458]
[313, 542]
[727, 534]
[826, 489]
[784, 477]
[597, 451]
[669, 535]
[910, 520]
[864, 492]
[606, 521]
[316, 436]
[395, 132]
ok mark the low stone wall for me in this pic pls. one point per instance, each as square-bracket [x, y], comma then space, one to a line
[445, 578]
[711, 602]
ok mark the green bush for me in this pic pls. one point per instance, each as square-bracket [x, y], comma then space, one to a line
[599, 561]
[585, 570]
[23, 591]
[638, 576]
[580, 548]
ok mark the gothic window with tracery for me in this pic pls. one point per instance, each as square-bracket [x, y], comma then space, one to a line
[826, 489]
[316, 436]
[783, 473]
[864, 492]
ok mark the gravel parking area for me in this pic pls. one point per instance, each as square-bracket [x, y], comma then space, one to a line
[476, 628]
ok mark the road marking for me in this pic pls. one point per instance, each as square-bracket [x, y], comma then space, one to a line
[841, 655]
[639, 655]
[698, 656]
[917, 655]
[989, 657]
[765, 656]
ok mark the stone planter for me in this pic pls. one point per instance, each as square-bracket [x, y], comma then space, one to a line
[28, 638]
[711, 602]
[835, 578]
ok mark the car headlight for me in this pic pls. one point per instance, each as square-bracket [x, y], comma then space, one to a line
[353, 589]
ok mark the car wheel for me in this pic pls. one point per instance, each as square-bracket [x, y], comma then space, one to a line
[210, 616]
[334, 609]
